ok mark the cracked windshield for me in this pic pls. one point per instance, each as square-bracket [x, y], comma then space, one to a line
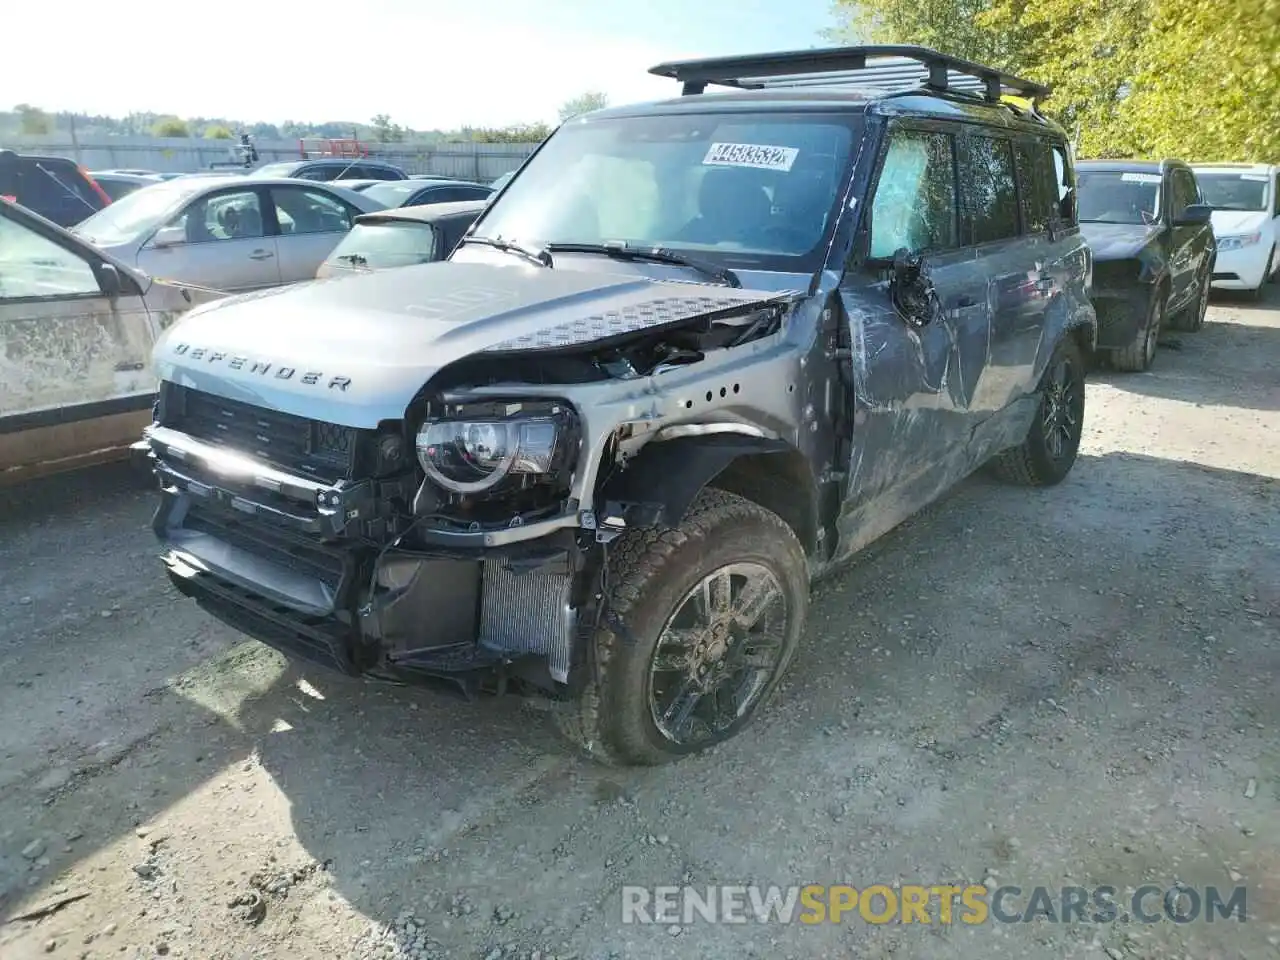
[665, 481]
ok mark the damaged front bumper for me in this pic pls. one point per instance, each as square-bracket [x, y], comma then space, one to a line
[281, 558]
[1121, 314]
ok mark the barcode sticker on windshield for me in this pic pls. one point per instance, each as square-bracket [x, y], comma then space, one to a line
[1140, 177]
[1256, 177]
[755, 155]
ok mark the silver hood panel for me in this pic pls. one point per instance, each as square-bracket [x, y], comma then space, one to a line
[354, 350]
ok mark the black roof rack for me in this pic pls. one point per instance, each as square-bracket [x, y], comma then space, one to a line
[901, 68]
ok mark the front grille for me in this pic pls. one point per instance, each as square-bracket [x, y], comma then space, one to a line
[261, 539]
[294, 444]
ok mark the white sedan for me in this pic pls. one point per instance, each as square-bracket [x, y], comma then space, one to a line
[229, 234]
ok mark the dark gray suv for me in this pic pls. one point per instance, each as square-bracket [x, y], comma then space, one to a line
[698, 353]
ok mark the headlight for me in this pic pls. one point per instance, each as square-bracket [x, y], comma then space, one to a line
[1236, 243]
[478, 449]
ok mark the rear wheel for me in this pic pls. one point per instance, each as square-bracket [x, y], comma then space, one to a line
[1046, 456]
[702, 622]
[1139, 355]
[1191, 318]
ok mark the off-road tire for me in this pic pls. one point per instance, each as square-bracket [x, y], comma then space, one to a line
[1138, 356]
[650, 571]
[1030, 464]
[1190, 318]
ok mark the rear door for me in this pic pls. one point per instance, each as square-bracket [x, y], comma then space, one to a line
[224, 242]
[310, 222]
[1014, 282]
[69, 353]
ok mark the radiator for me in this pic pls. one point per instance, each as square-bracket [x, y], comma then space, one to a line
[528, 613]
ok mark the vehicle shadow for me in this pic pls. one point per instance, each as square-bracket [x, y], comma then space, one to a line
[1229, 362]
[983, 606]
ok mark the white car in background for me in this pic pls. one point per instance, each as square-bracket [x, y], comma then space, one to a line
[229, 234]
[1246, 222]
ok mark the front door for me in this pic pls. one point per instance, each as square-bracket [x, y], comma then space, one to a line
[914, 372]
[219, 240]
[1189, 245]
[74, 362]
[311, 223]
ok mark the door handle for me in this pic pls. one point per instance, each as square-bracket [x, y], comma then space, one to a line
[261, 255]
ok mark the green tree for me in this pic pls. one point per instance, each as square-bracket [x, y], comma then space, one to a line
[170, 127]
[583, 103]
[32, 120]
[385, 131]
[948, 26]
[217, 131]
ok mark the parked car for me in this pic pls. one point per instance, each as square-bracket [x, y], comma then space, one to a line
[1153, 253]
[134, 172]
[401, 237]
[704, 350]
[54, 187]
[228, 233]
[416, 192]
[359, 186]
[333, 169]
[117, 185]
[76, 331]
[1245, 198]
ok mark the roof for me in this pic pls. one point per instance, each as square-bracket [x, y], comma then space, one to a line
[427, 212]
[1129, 166]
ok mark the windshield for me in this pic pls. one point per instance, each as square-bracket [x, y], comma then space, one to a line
[140, 212]
[754, 190]
[393, 193]
[376, 246]
[1235, 191]
[1110, 196]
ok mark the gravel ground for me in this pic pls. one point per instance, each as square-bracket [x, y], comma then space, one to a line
[1041, 688]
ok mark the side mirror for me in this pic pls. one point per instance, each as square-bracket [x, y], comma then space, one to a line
[169, 237]
[906, 267]
[109, 280]
[1194, 215]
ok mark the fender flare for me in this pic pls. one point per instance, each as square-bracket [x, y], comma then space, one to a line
[659, 485]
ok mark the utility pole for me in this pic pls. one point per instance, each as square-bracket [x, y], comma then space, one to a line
[75, 143]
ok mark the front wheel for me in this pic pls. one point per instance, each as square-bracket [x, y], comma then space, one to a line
[702, 622]
[1047, 454]
[1138, 356]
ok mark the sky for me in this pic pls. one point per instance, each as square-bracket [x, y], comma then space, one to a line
[429, 64]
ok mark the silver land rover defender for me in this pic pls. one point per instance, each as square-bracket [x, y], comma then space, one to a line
[694, 354]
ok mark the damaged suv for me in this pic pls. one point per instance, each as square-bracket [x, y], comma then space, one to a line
[697, 353]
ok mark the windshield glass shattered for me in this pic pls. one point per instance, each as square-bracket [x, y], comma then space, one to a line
[1112, 196]
[1235, 191]
[744, 189]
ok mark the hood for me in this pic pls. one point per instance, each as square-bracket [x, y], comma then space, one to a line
[1236, 223]
[354, 350]
[1118, 241]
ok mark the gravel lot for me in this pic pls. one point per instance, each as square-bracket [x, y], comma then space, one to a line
[1041, 688]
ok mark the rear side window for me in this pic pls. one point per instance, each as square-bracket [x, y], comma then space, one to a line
[993, 191]
[1037, 187]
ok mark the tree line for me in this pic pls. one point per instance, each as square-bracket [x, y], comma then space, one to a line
[1194, 79]
[32, 120]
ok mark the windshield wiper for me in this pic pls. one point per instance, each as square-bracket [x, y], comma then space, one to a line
[539, 255]
[620, 250]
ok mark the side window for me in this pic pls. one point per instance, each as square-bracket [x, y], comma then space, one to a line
[320, 173]
[380, 173]
[1036, 185]
[299, 210]
[993, 191]
[34, 266]
[1064, 177]
[1183, 192]
[232, 215]
[915, 200]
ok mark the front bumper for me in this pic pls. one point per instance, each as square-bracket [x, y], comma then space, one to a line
[1242, 269]
[278, 557]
